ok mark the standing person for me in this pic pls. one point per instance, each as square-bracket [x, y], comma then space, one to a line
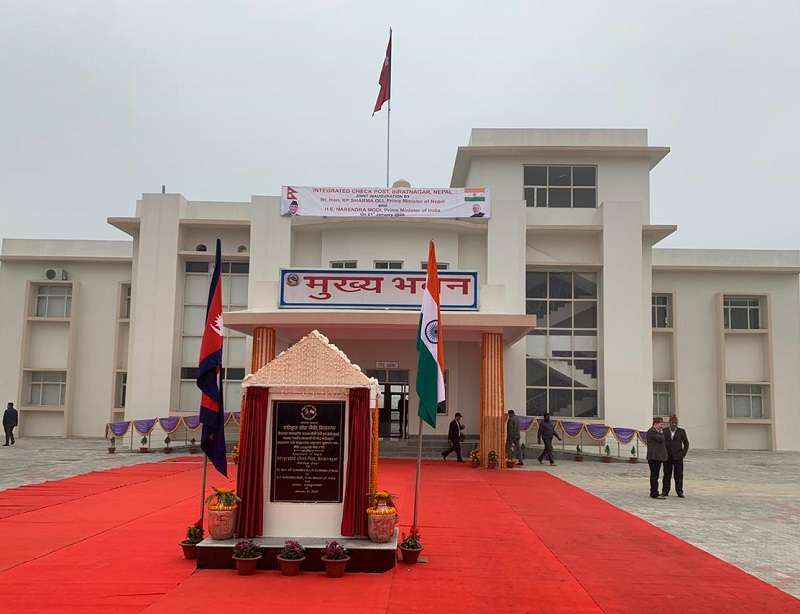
[677, 444]
[547, 430]
[656, 454]
[512, 436]
[10, 420]
[454, 437]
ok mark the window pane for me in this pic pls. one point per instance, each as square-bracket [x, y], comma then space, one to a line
[585, 314]
[238, 295]
[56, 307]
[559, 343]
[535, 401]
[196, 290]
[585, 373]
[541, 197]
[560, 372]
[585, 285]
[51, 394]
[235, 352]
[232, 374]
[560, 175]
[741, 407]
[41, 307]
[535, 284]
[561, 402]
[560, 315]
[194, 320]
[530, 197]
[584, 198]
[738, 318]
[586, 403]
[757, 407]
[536, 372]
[189, 373]
[754, 319]
[560, 285]
[197, 267]
[558, 197]
[240, 268]
[539, 309]
[536, 346]
[584, 175]
[535, 175]
[190, 350]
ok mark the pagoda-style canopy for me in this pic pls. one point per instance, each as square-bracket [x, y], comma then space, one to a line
[312, 362]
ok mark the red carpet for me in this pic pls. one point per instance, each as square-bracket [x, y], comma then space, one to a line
[512, 541]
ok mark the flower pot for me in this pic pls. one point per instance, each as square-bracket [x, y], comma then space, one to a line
[510, 464]
[578, 458]
[221, 522]
[476, 463]
[335, 567]
[144, 450]
[246, 567]
[380, 524]
[167, 450]
[189, 550]
[290, 567]
[410, 555]
[491, 465]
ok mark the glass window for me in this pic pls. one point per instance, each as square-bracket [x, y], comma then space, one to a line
[344, 264]
[560, 186]
[53, 301]
[661, 311]
[440, 266]
[745, 400]
[120, 389]
[742, 313]
[125, 311]
[388, 264]
[197, 267]
[662, 399]
[535, 284]
[47, 388]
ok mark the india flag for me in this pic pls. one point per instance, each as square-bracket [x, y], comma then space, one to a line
[430, 346]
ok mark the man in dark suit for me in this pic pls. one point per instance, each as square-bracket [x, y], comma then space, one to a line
[546, 432]
[10, 420]
[454, 437]
[656, 454]
[677, 444]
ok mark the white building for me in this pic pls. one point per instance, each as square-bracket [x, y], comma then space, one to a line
[95, 331]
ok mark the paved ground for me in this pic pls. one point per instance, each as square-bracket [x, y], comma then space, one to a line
[743, 507]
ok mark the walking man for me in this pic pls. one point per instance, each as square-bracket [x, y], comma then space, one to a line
[454, 437]
[656, 454]
[10, 420]
[512, 436]
[677, 446]
[547, 430]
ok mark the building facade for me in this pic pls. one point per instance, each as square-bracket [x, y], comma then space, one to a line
[590, 319]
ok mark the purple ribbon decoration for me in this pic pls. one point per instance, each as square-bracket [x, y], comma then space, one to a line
[525, 422]
[119, 428]
[642, 436]
[191, 422]
[170, 424]
[571, 428]
[623, 435]
[597, 431]
[237, 418]
[143, 427]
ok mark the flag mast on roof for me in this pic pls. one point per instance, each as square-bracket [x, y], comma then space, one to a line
[384, 95]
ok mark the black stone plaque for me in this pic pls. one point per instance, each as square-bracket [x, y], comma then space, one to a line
[307, 455]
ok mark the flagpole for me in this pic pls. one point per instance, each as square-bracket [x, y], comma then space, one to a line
[419, 469]
[388, 124]
[203, 490]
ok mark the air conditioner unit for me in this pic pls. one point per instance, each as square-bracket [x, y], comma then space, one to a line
[56, 274]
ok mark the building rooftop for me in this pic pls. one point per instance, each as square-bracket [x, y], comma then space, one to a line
[65, 249]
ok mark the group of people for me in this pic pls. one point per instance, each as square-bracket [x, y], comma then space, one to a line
[666, 448]
[10, 421]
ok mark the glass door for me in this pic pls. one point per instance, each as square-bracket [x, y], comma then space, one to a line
[393, 412]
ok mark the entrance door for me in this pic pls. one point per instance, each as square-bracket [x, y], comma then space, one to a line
[393, 413]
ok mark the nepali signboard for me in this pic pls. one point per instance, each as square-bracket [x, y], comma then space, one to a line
[357, 289]
[386, 202]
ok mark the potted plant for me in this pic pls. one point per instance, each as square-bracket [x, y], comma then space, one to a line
[246, 554]
[381, 517]
[291, 557]
[194, 535]
[607, 455]
[193, 446]
[491, 460]
[411, 546]
[222, 506]
[475, 457]
[578, 454]
[144, 447]
[112, 444]
[167, 441]
[335, 557]
[510, 460]
[633, 458]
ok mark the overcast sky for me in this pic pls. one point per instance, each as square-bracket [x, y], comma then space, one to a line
[103, 100]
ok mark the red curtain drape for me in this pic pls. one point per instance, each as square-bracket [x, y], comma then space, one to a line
[354, 514]
[250, 481]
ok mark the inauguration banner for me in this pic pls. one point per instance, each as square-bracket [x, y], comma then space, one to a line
[357, 289]
[386, 202]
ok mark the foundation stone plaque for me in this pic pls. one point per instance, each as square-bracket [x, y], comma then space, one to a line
[307, 454]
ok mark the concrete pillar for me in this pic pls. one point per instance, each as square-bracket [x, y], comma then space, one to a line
[270, 250]
[493, 432]
[155, 311]
[263, 347]
[627, 361]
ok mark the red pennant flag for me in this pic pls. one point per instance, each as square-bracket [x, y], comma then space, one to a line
[385, 80]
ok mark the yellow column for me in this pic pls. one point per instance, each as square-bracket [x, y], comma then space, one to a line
[263, 347]
[493, 433]
[373, 469]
